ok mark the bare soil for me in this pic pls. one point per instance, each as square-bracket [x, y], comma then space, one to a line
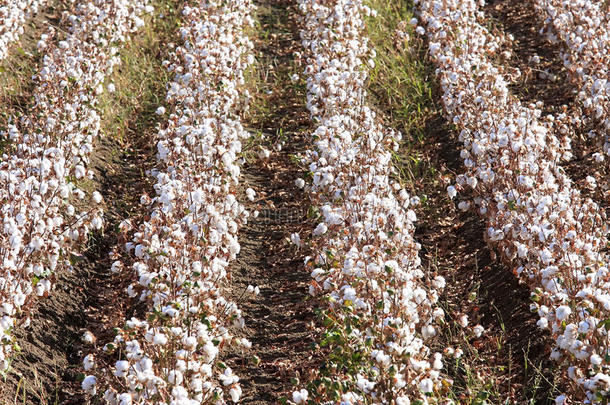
[280, 321]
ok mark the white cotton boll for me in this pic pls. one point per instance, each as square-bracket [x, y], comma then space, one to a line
[464, 206]
[250, 194]
[428, 331]
[88, 337]
[596, 359]
[463, 320]
[426, 385]
[543, 323]
[300, 183]
[561, 399]
[97, 223]
[160, 110]
[320, 229]
[97, 197]
[452, 192]
[235, 393]
[116, 267]
[121, 368]
[439, 282]
[175, 377]
[420, 30]
[111, 88]
[300, 397]
[478, 330]
[80, 171]
[189, 342]
[160, 339]
[264, 153]
[88, 362]
[125, 399]
[295, 238]
[88, 384]
[563, 312]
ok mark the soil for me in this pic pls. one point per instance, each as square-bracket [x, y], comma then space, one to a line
[280, 321]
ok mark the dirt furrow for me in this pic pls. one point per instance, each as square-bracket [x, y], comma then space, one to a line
[279, 321]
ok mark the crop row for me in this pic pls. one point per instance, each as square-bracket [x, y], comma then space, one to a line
[545, 231]
[380, 304]
[13, 16]
[583, 27]
[45, 212]
[179, 256]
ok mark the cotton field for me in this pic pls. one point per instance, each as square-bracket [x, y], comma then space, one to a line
[304, 202]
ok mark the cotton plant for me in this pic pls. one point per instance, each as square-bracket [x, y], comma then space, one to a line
[583, 29]
[381, 305]
[179, 257]
[45, 215]
[552, 237]
[13, 17]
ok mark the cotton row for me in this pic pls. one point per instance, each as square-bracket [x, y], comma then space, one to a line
[179, 257]
[551, 236]
[381, 306]
[44, 213]
[583, 27]
[13, 16]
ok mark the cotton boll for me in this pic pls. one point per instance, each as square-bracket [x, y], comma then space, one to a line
[320, 229]
[88, 362]
[426, 385]
[88, 338]
[97, 197]
[478, 330]
[300, 397]
[88, 384]
[563, 312]
[452, 192]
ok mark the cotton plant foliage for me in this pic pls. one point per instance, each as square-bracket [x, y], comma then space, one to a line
[552, 237]
[13, 17]
[45, 214]
[381, 306]
[179, 256]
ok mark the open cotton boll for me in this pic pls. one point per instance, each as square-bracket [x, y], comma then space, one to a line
[88, 384]
[250, 194]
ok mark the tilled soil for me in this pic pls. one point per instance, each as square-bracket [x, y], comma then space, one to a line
[280, 321]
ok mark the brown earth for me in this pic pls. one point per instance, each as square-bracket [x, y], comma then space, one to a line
[280, 321]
